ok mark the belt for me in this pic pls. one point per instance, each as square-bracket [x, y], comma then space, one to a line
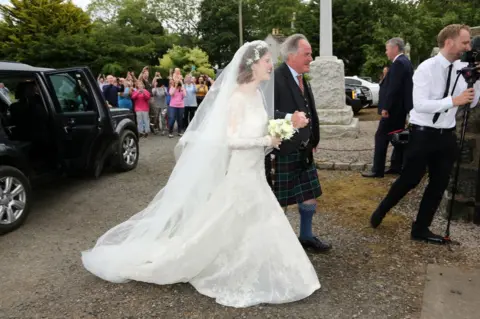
[415, 127]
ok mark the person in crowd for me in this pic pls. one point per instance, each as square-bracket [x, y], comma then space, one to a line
[141, 97]
[176, 108]
[190, 101]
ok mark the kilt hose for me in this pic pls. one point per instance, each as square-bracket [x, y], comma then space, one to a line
[293, 183]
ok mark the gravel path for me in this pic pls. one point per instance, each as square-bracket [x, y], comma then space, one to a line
[369, 274]
[351, 150]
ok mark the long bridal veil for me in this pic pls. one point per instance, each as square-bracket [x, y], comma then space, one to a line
[202, 157]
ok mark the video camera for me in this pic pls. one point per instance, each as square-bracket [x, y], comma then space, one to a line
[471, 72]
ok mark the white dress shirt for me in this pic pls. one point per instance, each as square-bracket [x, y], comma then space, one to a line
[294, 74]
[429, 81]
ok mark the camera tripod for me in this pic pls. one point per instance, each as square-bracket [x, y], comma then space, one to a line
[471, 75]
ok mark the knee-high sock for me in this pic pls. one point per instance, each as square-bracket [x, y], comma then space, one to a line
[306, 215]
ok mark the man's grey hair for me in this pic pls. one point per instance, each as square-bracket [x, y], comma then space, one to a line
[398, 42]
[290, 45]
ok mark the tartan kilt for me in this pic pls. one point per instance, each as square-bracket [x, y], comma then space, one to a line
[293, 183]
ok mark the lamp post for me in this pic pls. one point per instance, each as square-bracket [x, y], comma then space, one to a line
[240, 24]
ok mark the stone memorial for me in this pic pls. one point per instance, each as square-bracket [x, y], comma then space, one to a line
[328, 84]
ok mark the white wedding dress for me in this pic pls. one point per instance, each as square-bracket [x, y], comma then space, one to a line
[239, 248]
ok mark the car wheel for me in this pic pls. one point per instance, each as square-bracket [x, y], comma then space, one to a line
[128, 151]
[15, 197]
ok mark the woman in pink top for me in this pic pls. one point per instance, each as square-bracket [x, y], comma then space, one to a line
[140, 98]
[175, 109]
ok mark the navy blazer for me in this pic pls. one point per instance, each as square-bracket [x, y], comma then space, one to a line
[396, 90]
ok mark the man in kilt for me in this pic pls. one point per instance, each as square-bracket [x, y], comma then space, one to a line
[291, 171]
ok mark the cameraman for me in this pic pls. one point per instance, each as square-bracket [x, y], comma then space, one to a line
[432, 141]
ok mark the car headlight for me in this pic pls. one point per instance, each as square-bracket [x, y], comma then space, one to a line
[358, 91]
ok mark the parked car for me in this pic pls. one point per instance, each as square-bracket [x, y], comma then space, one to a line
[374, 87]
[56, 122]
[353, 97]
[357, 97]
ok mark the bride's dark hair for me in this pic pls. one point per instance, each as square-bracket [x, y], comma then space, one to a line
[252, 55]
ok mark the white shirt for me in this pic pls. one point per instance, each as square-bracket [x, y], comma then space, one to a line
[294, 74]
[429, 82]
[397, 57]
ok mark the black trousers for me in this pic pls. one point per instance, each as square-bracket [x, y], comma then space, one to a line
[426, 149]
[382, 139]
[188, 115]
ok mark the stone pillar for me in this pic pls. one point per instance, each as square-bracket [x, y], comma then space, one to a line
[328, 84]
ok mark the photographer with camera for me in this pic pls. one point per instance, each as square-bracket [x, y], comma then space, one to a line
[432, 141]
[176, 107]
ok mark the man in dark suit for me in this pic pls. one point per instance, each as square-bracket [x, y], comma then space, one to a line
[395, 102]
[295, 179]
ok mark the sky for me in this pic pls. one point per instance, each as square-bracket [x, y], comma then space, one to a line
[81, 3]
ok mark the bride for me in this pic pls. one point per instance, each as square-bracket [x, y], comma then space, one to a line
[216, 224]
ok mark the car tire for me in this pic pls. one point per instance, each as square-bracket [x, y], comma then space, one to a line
[98, 168]
[128, 143]
[18, 181]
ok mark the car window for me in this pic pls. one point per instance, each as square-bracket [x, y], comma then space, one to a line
[352, 82]
[9, 86]
[367, 79]
[71, 92]
[15, 89]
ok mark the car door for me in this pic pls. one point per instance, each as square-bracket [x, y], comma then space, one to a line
[77, 115]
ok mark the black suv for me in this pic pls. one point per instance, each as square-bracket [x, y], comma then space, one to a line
[51, 122]
[357, 97]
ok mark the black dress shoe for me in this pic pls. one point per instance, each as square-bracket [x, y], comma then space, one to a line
[376, 218]
[372, 175]
[315, 245]
[428, 237]
[392, 172]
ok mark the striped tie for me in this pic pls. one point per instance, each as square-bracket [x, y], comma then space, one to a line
[300, 83]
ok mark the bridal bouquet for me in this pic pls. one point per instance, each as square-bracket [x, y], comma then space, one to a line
[281, 128]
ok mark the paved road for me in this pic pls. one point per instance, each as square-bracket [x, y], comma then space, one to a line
[41, 275]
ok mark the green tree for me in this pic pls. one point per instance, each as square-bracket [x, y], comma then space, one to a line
[180, 16]
[186, 59]
[104, 10]
[351, 29]
[218, 28]
[308, 23]
[270, 14]
[133, 38]
[41, 31]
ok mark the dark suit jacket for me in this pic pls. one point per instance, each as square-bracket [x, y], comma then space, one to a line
[288, 99]
[396, 92]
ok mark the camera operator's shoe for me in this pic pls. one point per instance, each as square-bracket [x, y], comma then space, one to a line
[428, 237]
[377, 218]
